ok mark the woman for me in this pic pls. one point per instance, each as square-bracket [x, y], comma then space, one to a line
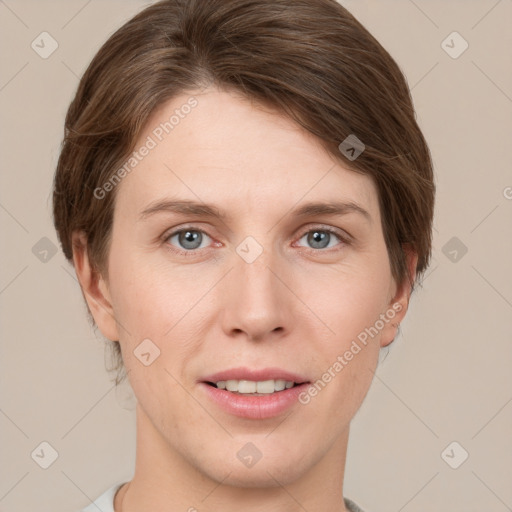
[247, 200]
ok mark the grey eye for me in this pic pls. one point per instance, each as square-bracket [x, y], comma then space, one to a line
[320, 238]
[189, 239]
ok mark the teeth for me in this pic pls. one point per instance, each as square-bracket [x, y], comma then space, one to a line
[279, 385]
[247, 386]
[265, 387]
[232, 385]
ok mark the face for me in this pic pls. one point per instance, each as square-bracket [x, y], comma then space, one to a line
[242, 253]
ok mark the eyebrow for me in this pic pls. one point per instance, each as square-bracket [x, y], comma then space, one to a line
[199, 209]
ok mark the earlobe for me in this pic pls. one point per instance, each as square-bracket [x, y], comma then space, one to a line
[397, 308]
[94, 288]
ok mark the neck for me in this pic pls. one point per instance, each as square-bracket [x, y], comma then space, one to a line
[164, 480]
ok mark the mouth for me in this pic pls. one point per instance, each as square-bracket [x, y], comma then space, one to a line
[254, 394]
[254, 388]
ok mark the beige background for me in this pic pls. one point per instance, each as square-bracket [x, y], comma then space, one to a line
[446, 378]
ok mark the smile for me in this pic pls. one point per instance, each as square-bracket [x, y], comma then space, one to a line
[255, 388]
[254, 394]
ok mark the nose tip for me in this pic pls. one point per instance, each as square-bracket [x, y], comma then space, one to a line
[255, 305]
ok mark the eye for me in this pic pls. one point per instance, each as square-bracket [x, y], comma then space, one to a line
[188, 239]
[322, 238]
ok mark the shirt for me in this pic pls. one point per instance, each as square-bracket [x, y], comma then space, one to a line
[105, 503]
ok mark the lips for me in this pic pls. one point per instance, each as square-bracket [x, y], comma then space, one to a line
[247, 393]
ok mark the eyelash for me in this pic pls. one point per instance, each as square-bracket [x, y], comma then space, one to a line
[344, 240]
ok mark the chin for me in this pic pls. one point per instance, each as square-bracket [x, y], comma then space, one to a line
[265, 476]
[273, 470]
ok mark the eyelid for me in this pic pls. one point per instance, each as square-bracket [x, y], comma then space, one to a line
[326, 227]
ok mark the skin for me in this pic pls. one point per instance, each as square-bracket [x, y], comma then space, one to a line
[298, 306]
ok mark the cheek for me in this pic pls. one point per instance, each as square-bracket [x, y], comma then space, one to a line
[351, 305]
[161, 314]
[350, 300]
[154, 311]
[149, 298]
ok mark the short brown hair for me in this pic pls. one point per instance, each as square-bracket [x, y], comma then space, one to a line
[309, 59]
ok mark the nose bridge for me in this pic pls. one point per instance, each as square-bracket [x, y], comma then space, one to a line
[256, 304]
[257, 280]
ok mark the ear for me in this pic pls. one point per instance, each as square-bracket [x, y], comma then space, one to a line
[94, 288]
[398, 305]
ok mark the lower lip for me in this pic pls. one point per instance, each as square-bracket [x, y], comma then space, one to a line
[254, 407]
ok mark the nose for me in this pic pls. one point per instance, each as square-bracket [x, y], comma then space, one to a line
[257, 305]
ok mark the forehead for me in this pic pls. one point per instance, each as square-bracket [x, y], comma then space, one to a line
[220, 148]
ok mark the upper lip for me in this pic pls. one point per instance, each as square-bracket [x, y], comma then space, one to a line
[243, 373]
